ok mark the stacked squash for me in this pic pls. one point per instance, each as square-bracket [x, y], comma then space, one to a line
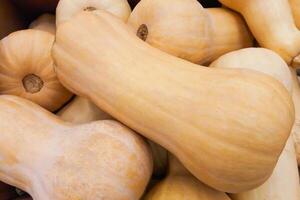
[165, 102]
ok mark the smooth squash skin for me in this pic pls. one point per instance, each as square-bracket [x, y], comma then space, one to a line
[271, 22]
[214, 121]
[284, 182]
[81, 110]
[45, 22]
[10, 19]
[296, 127]
[185, 29]
[51, 159]
[181, 185]
[295, 6]
[66, 9]
[27, 69]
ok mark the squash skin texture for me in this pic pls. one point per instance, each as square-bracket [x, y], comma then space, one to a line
[199, 35]
[10, 19]
[181, 185]
[45, 22]
[208, 118]
[271, 22]
[66, 9]
[27, 53]
[295, 6]
[284, 182]
[101, 160]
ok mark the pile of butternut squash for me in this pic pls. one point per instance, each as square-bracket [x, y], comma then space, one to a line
[150, 99]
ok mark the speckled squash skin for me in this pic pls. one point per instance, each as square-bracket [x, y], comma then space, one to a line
[51, 159]
[226, 113]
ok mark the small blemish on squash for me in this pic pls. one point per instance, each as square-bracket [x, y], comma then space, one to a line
[142, 32]
[32, 83]
[90, 8]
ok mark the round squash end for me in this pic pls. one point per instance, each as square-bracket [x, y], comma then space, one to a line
[32, 83]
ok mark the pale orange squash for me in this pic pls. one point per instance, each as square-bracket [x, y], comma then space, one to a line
[66, 9]
[272, 24]
[185, 29]
[27, 69]
[51, 159]
[214, 121]
[10, 19]
[295, 6]
[181, 185]
[284, 182]
[45, 22]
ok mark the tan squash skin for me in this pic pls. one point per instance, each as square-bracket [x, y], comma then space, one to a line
[67, 9]
[10, 19]
[272, 24]
[199, 35]
[81, 110]
[296, 127]
[295, 6]
[208, 118]
[181, 185]
[54, 160]
[45, 22]
[284, 182]
[27, 69]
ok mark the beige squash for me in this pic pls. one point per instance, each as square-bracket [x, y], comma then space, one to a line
[296, 128]
[181, 185]
[66, 9]
[81, 110]
[185, 29]
[214, 120]
[45, 22]
[284, 182]
[10, 18]
[295, 5]
[27, 69]
[272, 24]
[54, 160]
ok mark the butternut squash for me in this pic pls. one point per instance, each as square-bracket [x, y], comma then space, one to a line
[181, 185]
[215, 121]
[81, 110]
[27, 69]
[185, 29]
[10, 20]
[296, 127]
[66, 9]
[284, 182]
[272, 24]
[45, 22]
[51, 159]
[295, 5]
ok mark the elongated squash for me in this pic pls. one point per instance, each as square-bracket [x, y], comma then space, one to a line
[185, 29]
[214, 121]
[27, 69]
[51, 159]
[45, 22]
[284, 182]
[66, 9]
[295, 5]
[10, 19]
[181, 185]
[272, 24]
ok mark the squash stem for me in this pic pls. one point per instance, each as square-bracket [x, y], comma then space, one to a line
[32, 83]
